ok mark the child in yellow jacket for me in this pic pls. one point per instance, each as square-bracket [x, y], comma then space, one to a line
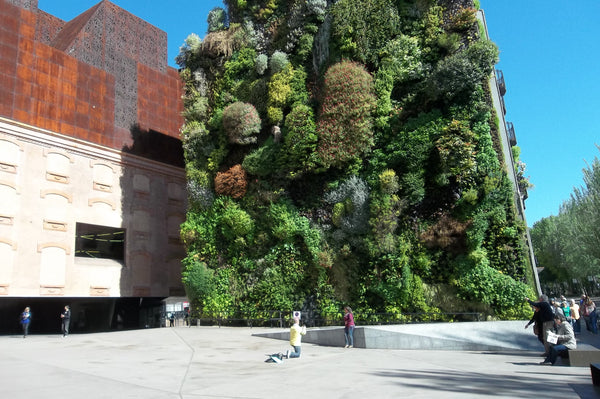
[296, 333]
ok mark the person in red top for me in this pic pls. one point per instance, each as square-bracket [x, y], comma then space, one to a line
[348, 327]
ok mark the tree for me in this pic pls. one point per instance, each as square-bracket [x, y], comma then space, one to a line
[568, 245]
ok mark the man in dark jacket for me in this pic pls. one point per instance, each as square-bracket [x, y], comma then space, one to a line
[66, 319]
[546, 317]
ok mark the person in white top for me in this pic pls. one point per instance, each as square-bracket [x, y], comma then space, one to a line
[575, 322]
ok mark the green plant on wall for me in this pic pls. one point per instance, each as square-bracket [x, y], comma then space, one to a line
[347, 152]
[345, 124]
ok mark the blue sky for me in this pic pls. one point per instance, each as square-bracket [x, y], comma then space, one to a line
[549, 54]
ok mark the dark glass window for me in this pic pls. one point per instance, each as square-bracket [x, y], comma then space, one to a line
[93, 241]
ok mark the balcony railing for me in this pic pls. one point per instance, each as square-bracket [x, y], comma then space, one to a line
[500, 80]
[510, 130]
[282, 319]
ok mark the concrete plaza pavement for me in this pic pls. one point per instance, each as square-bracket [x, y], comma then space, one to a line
[212, 362]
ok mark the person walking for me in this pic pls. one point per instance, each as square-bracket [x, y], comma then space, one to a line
[348, 327]
[566, 311]
[575, 317]
[296, 333]
[65, 320]
[537, 324]
[546, 317]
[588, 311]
[25, 321]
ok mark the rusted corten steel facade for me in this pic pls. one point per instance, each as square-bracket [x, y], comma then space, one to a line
[90, 114]
[93, 78]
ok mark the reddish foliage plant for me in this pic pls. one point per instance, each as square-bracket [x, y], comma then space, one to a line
[233, 182]
[345, 126]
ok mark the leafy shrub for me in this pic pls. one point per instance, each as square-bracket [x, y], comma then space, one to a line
[401, 61]
[413, 185]
[286, 226]
[447, 233]
[194, 135]
[274, 114]
[232, 182]
[189, 48]
[262, 161]
[401, 57]
[305, 46]
[199, 196]
[299, 140]
[316, 7]
[282, 218]
[299, 93]
[465, 18]
[449, 43]
[197, 278]
[457, 76]
[220, 300]
[353, 194]
[388, 181]
[456, 149]
[217, 19]
[279, 93]
[486, 157]
[235, 222]
[363, 27]
[240, 122]
[279, 286]
[345, 124]
[197, 110]
[238, 72]
[278, 61]
[262, 63]
[385, 210]
[483, 284]
[198, 233]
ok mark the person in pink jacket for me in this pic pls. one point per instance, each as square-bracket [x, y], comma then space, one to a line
[348, 327]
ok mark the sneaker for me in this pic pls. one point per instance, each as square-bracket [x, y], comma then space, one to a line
[351, 346]
[346, 346]
[546, 363]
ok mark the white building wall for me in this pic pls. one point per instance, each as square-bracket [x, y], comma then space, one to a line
[50, 182]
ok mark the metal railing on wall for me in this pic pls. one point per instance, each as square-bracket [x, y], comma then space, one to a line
[281, 319]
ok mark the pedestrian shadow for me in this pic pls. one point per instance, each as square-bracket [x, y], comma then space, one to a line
[526, 363]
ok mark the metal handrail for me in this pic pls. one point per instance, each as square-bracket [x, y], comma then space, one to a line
[280, 318]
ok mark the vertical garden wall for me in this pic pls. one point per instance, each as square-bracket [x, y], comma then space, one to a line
[346, 152]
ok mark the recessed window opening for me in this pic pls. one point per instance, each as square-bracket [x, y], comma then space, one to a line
[94, 241]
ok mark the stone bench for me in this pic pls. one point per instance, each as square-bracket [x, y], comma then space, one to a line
[584, 355]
